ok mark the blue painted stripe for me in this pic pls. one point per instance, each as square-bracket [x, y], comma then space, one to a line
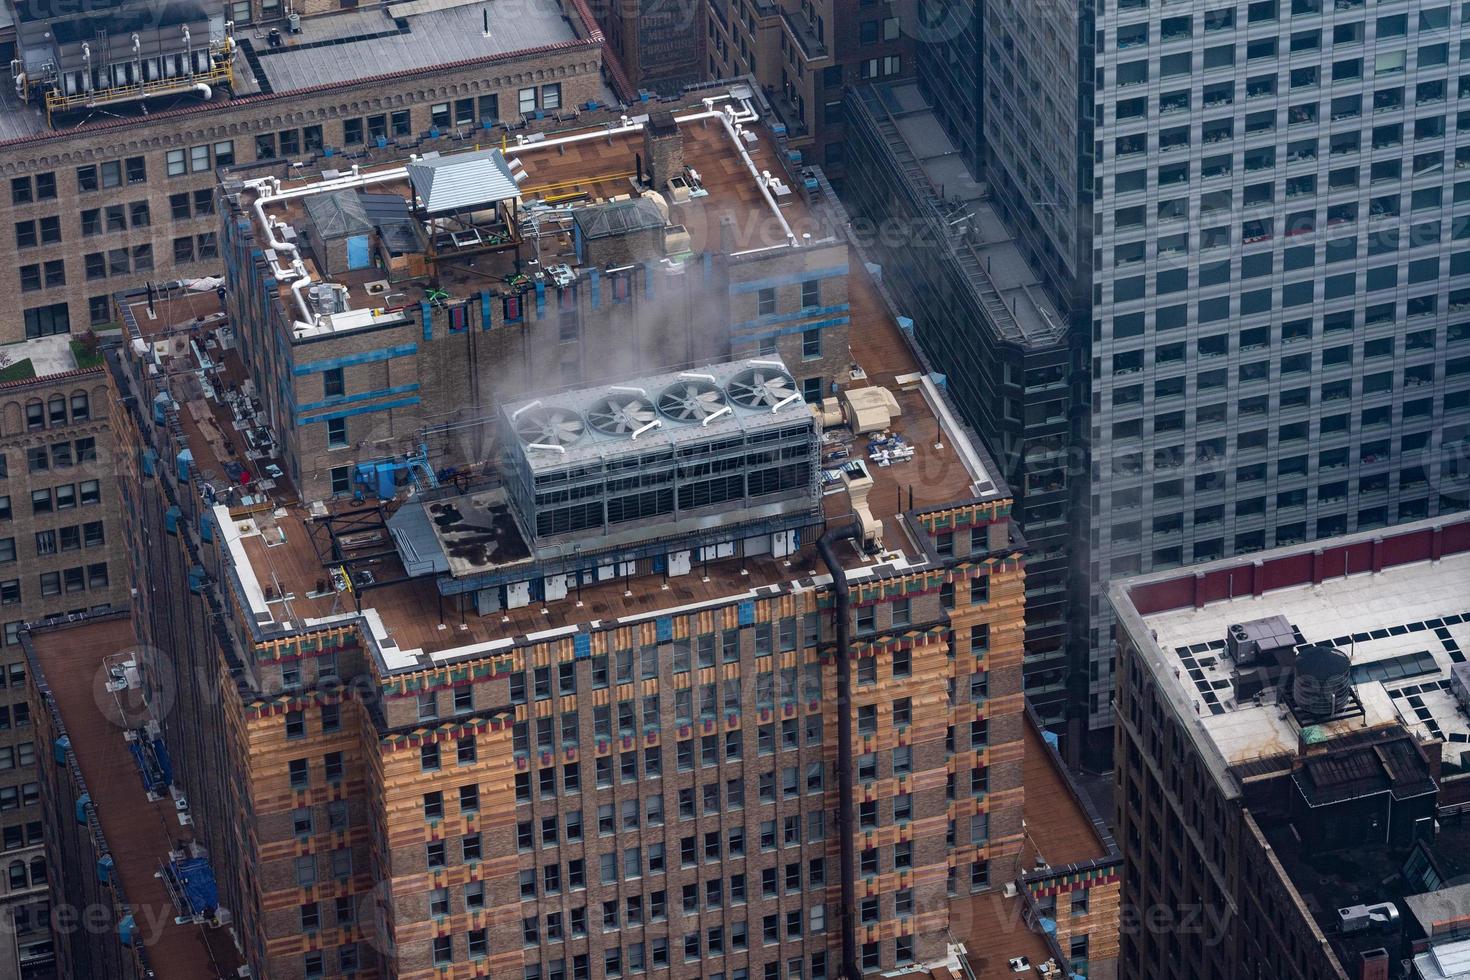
[775, 318]
[428, 317]
[799, 328]
[366, 357]
[648, 269]
[596, 275]
[540, 299]
[360, 396]
[484, 309]
[787, 280]
[364, 410]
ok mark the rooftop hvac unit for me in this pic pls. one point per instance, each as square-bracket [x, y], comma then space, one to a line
[728, 443]
[1245, 641]
[1360, 918]
[863, 410]
[1460, 684]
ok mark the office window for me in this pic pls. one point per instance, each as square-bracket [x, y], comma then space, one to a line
[336, 433]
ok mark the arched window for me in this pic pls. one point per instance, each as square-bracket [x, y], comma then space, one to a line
[81, 409]
[35, 416]
[56, 410]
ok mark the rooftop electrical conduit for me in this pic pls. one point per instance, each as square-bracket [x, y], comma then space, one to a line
[826, 547]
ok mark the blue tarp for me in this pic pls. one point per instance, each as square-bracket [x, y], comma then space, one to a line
[195, 883]
[153, 764]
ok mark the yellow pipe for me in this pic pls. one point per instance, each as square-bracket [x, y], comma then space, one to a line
[542, 188]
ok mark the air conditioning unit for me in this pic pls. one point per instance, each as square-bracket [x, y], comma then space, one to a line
[1359, 918]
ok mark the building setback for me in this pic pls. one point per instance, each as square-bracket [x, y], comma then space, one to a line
[1291, 757]
[490, 706]
[110, 160]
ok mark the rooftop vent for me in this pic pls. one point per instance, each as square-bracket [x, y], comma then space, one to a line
[548, 425]
[762, 386]
[693, 400]
[1359, 918]
[623, 413]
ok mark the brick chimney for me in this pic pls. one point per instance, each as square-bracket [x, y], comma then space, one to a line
[1375, 965]
[663, 148]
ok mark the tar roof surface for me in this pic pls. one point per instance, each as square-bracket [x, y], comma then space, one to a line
[139, 833]
[1058, 827]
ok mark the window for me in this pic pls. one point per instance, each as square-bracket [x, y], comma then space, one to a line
[811, 344]
[336, 433]
[526, 100]
[47, 321]
[551, 96]
[332, 383]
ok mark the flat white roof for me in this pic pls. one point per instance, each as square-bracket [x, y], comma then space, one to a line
[1448, 961]
[1416, 615]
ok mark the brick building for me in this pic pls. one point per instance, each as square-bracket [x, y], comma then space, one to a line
[1291, 760]
[61, 555]
[491, 709]
[803, 54]
[108, 155]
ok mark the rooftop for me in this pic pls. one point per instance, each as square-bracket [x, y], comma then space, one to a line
[139, 833]
[1447, 961]
[44, 356]
[283, 552]
[1332, 879]
[1059, 826]
[343, 47]
[1445, 911]
[1402, 629]
[986, 251]
[547, 196]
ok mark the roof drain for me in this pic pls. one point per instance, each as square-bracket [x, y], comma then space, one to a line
[851, 531]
